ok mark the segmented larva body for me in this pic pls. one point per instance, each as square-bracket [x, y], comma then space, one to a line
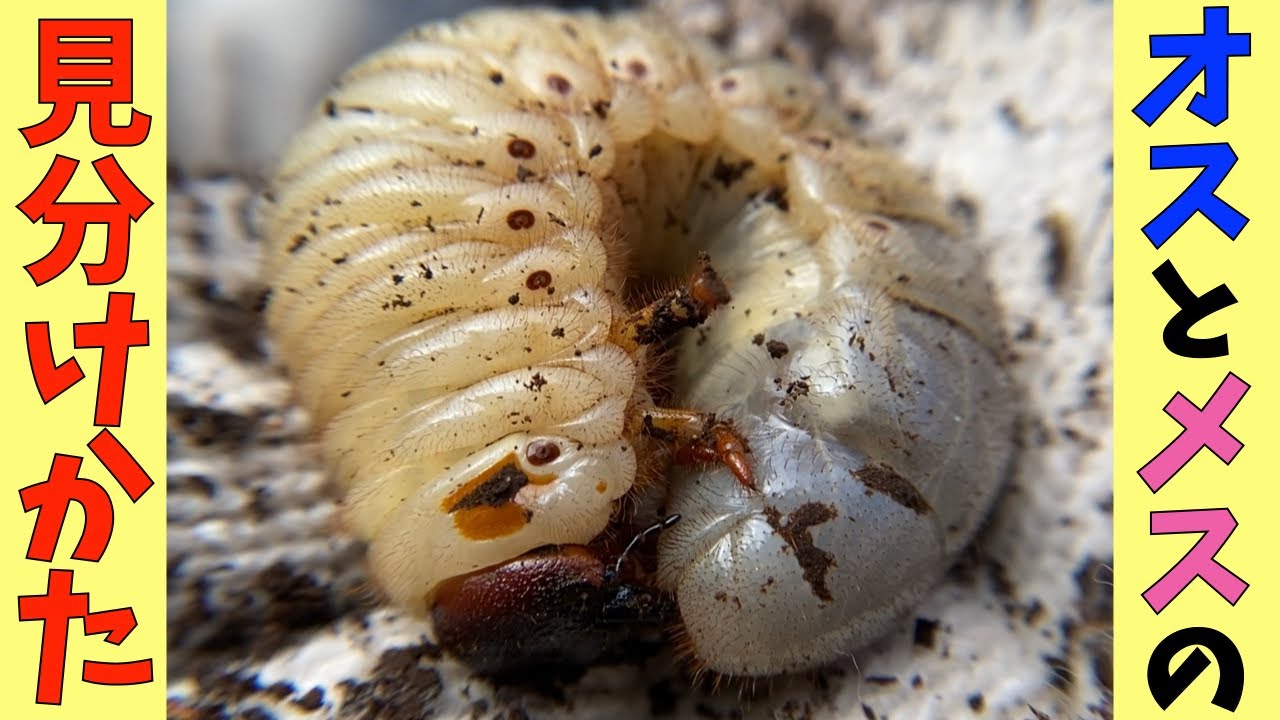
[447, 244]
[867, 380]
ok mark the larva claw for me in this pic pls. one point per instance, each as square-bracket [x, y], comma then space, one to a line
[686, 306]
[719, 442]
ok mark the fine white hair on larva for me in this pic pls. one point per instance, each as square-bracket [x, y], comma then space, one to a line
[448, 247]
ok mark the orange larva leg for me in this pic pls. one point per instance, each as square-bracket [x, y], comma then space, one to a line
[684, 307]
[700, 438]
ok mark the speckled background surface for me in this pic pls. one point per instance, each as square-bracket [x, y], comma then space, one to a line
[1006, 102]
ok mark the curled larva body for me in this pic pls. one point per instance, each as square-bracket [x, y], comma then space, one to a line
[445, 261]
[867, 380]
[863, 360]
[447, 244]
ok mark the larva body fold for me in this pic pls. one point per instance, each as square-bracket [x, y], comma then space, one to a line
[447, 246]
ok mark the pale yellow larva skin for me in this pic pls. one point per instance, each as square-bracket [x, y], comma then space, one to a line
[403, 228]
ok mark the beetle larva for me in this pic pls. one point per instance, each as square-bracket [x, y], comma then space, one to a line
[447, 246]
[867, 381]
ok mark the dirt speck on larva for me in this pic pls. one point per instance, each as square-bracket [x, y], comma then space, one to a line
[883, 479]
[795, 528]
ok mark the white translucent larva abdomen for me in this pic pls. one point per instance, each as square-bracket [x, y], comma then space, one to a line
[862, 362]
[447, 245]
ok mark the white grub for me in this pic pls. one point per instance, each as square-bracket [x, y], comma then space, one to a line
[445, 173]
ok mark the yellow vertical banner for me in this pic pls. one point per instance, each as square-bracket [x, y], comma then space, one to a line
[82, 359]
[1197, 383]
